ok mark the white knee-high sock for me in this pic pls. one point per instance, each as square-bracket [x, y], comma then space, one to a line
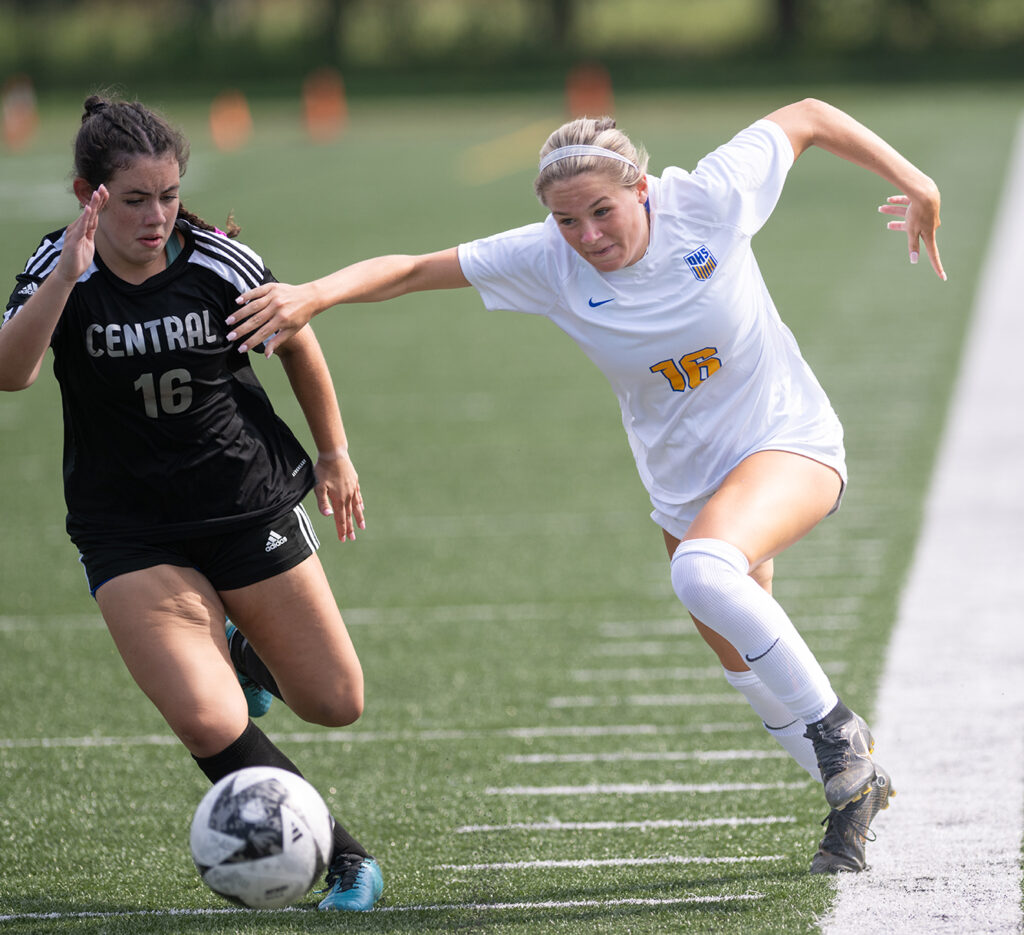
[778, 720]
[710, 577]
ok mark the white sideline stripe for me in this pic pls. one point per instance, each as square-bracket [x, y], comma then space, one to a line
[947, 858]
[339, 736]
[645, 788]
[426, 907]
[610, 862]
[663, 756]
[645, 701]
[653, 824]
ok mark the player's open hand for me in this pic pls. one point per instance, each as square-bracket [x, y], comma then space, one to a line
[80, 238]
[338, 494]
[270, 314]
[920, 221]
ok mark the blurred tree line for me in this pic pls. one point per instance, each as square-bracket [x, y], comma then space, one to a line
[464, 44]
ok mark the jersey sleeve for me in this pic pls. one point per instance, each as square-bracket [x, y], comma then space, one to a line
[38, 267]
[511, 270]
[739, 183]
[240, 267]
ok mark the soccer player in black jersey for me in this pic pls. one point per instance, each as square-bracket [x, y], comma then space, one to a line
[184, 489]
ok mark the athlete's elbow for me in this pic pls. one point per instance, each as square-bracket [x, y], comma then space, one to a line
[13, 382]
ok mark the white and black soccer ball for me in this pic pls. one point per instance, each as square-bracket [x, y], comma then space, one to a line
[261, 837]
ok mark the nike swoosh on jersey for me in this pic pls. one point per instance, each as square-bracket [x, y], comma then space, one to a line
[594, 304]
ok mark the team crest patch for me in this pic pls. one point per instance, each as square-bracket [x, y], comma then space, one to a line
[702, 264]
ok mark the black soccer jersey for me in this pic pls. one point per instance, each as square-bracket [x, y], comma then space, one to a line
[167, 431]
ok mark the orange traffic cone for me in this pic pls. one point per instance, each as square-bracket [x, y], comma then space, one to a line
[230, 121]
[20, 117]
[325, 109]
[588, 91]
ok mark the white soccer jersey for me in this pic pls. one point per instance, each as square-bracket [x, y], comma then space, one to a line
[705, 371]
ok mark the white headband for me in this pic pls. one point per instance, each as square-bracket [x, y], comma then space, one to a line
[567, 152]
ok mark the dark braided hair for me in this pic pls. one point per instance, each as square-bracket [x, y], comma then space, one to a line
[115, 133]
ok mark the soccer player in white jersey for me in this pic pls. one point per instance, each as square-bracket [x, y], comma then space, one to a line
[183, 487]
[733, 436]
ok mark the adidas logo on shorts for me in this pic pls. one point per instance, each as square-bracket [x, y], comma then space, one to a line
[274, 540]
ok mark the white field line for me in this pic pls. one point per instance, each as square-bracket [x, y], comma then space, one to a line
[426, 907]
[580, 903]
[645, 701]
[661, 756]
[379, 616]
[675, 626]
[646, 788]
[354, 616]
[640, 630]
[610, 862]
[835, 618]
[653, 824]
[369, 736]
[642, 647]
[951, 703]
[644, 674]
[671, 674]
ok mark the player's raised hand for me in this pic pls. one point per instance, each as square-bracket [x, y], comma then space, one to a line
[80, 238]
[270, 314]
[920, 221]
[337, 493]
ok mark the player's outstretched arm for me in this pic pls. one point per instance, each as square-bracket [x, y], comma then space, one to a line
[26, 336]
[814, 123]
[272, 313]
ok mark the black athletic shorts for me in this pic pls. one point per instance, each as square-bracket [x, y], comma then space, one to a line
[228, 560]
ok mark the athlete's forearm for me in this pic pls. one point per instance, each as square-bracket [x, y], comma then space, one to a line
[310, 379]
[270, 314]
[387, 277]
[26, 336]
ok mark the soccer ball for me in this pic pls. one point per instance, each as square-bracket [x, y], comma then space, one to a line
[261, 837]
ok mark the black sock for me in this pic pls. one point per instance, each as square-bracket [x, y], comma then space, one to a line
[839, 714]
[254, 748]
[245, 660]
[344, 843]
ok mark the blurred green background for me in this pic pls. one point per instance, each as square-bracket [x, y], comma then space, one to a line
[476, 45]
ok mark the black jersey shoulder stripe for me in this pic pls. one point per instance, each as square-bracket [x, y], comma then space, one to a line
[226, 244]
[226, 269]
[248, 266]
[238, 254]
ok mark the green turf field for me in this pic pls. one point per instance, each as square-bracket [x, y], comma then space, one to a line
[528, 670]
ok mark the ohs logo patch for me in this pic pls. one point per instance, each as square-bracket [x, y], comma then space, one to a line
[702, 264]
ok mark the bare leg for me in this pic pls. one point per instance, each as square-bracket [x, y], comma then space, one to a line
[168, 625]
[294, 624]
